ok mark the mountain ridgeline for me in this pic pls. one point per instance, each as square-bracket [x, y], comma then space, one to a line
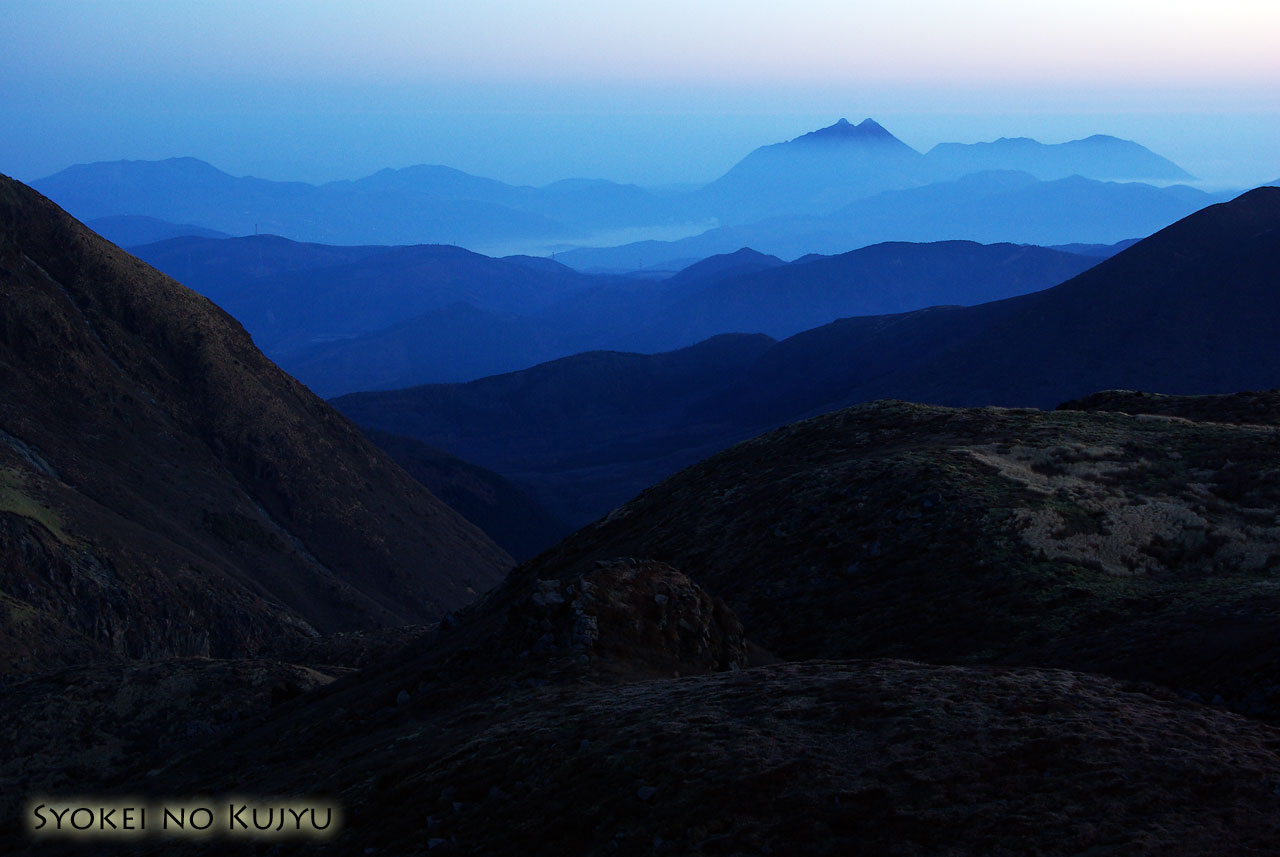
[344, 319]
[166, 490]
[1192, 309]
[816, 175]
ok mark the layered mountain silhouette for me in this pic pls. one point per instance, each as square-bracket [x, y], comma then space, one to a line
[131, 230]
[813, 175]
[166, 491]
[609, 408]
[414, 205]
[344, 319]
[1099, 157]
[1188, 310]
[818, 171]
[989, 207]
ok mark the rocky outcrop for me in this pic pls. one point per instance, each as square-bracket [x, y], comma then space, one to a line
[637, 615]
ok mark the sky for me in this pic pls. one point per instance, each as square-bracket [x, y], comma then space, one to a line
[649, 91]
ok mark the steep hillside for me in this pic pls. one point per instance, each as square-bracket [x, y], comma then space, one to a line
[166, 490]
[507, 515]
[1192, 309]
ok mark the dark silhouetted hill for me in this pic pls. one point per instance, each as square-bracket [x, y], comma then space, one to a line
[719, 267]
[561, 429]
[166, 491]
[1000, 545]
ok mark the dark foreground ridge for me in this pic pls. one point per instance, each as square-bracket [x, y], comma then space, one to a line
[1093, 590]
[166, 490]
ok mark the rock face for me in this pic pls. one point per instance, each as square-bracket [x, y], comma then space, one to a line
[166, 490]
[641, 614]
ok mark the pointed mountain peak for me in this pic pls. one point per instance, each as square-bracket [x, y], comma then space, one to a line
[844, 131]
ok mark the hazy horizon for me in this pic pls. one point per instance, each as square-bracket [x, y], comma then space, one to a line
[653, 93]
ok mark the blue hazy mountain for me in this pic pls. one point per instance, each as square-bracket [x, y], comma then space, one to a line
[1192, 309]
[358, 318]
[712, 297]
[290, 295]
[132, 230]
[585, 205]
[816, 172]
[988, 207]
[1101, 251]
[419, 205]
[876, 280]
[1096, 157]
[814, 175]
[742, 261]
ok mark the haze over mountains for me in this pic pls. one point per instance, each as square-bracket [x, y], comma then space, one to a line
[1191, 309]
[816, 175]
[993, 206]
[344, 319]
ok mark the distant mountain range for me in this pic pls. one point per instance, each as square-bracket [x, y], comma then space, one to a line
[817, 175]
[1098, 157]
[1192, 309]
[987, 207]
[344, 319]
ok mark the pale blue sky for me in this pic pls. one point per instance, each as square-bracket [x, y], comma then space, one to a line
[655, 92]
